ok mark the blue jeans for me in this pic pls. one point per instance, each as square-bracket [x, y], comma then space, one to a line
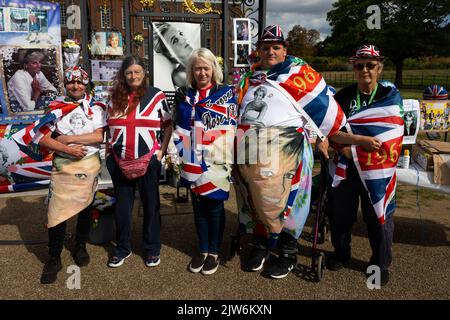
[209, 216]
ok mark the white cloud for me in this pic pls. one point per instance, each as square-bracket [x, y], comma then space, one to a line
[311, 14]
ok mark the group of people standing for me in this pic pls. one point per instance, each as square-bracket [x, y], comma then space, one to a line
[208, 120]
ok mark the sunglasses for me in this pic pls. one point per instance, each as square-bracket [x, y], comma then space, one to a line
[361, 66]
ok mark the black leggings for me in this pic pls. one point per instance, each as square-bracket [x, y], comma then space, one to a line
[56, 234]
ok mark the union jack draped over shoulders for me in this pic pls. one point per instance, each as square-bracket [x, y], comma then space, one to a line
[203, 141]
[309, 89]
[28, 138]
[382, 120]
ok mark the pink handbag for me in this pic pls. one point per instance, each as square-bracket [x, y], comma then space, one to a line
[133, 169]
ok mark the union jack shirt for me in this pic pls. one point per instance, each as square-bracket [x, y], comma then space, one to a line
[139, 132]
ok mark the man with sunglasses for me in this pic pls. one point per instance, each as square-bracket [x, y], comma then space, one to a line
[366, 105]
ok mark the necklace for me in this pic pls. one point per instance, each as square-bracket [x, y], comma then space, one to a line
[358, 98]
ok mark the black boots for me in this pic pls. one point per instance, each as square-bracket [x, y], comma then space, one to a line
[80, 255]
[51, 269]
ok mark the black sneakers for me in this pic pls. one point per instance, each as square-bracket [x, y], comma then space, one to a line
[115, 261]
[210, 266]
[152, 261]
[51, 269]
[81, 256]
[281, 266]
[256, 259]
[197, 263]
[334, 263]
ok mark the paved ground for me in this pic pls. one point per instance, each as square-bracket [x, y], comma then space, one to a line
[421, 267]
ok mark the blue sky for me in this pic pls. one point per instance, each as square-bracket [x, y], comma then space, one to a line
[311, 14]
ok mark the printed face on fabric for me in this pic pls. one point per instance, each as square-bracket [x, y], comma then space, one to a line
[77, 121]
[271, 53]
[203, 72]
[366, 71]
[134, 76]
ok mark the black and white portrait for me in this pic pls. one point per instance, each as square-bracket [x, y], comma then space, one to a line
[173, 43]
[411, 118]
[77, 122]
[3, 161]
[256, 109]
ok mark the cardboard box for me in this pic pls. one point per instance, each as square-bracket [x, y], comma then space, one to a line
[423, 151]
[441, 169]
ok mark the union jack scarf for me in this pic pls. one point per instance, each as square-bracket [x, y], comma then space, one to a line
[28, 138]
[310, 91]
[383, 120]
[206, 143]
[307, 87]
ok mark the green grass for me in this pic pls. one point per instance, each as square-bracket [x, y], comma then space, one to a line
[418, 79]
[406, 93]
[425, 197]
[411, 94]
[431, 195]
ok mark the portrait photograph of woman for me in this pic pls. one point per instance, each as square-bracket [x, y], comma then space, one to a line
[241, 52]
[32, 79]
[173, 43]
[241, 29]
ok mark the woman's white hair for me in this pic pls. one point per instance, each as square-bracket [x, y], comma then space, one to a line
[206, 54]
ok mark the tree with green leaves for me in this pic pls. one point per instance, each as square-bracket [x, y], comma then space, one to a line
[302, 42]
[408, 29]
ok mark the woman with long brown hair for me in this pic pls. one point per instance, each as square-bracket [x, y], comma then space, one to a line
[140, 126]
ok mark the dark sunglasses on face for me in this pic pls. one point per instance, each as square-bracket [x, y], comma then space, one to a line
[361, 66]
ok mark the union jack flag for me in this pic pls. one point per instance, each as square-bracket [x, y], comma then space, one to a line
[25, 186]
[368, 50]
[382, 120]
[138, 133]
[200, 142]
[272, 31]
[28, 138]
[435, 92]
[310, 90]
